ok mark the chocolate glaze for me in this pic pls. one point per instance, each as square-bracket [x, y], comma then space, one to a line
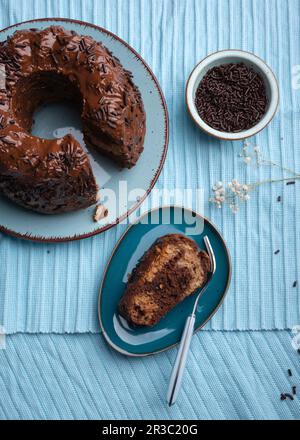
[52, 176]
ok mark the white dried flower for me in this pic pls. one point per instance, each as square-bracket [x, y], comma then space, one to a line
[234, 185]
[247, 159]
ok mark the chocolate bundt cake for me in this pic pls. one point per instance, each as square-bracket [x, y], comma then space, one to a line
[172, 269]
[37, 67]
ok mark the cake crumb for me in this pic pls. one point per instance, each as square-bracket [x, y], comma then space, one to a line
[100, 213]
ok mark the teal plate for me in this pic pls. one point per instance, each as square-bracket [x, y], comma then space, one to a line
[142, 341]
[57, 120]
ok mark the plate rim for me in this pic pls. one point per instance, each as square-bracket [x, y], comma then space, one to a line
[40, 239]
[103, 332]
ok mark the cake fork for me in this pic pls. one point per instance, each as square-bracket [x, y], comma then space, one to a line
[177, 372]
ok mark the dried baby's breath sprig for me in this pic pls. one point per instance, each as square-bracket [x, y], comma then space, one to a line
[232, 194]
[236, 192]
[252, 154]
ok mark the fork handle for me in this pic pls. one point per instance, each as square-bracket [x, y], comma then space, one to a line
[177, 372]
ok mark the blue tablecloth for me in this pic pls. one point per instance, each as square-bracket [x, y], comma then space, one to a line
[53, 288]
[230, 375]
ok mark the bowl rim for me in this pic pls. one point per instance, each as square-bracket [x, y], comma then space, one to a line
[247, 56]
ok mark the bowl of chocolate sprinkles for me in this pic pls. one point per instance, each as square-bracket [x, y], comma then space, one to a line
[232, 94]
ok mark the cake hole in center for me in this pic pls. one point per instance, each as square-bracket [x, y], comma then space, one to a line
[56, 119]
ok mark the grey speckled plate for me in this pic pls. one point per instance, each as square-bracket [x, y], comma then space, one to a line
[49, 123]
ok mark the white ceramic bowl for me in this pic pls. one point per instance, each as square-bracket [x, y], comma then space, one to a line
[225, 57]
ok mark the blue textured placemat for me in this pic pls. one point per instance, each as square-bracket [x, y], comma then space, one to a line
[230, 375]
[53, 288]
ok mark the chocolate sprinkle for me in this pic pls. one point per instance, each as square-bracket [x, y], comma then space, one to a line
[295, 283]
[294, 390]
[82, 45]
[289, 396]
[291, 183]
[290, 372]
[231, 97]
[277, 252]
